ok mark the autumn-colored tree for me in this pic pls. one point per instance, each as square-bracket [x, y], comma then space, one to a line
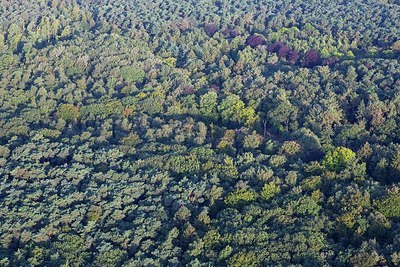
[311, 58]
[256, 40]
[210, 28]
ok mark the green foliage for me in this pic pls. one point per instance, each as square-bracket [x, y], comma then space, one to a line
[233, 109]
[4, 151]
[277, 160]
[6, 60]
[252, 141]
[306, 206]
[338, 159]
[73, 249]
[184, 164]
[350, 54]
[311, 183]
[389, 206]
[269, 191]
[171, 61]
[132, 74]
[248, 259]
[69, 112]
[102, 110]
[240, 196]
[282, 113]
[208, 105]
[225, 253]
[38, 256]
[163, 133]
[94, 213]
[111, 258]
[290, 148]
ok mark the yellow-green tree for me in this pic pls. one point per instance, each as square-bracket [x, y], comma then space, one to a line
[269, 191]
[232, 108]
[338, 159]
[240, 196]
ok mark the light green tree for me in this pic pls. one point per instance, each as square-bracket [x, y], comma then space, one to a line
[269, 191]
[338, 159]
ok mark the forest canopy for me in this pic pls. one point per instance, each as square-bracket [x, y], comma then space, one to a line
[199, 133]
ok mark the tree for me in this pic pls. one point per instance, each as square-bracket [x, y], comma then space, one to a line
[233, 109]
[282, 113]
[69, 112]
[292, 56]
[132, 74]
[210, 29]
[311, 58]
[2, 44]
[256, 40]
[248, 116]
[73, 249]
[290, 148]
[269, 191]
[330, 61]
[339, 158]
[283, 51]
[326, 115]
[252, 141]
[240, 196]
[208, 105]
[390, 205]
[275, 47]
[14, 36]
[241, 258]
[111, 257]
[396, 45]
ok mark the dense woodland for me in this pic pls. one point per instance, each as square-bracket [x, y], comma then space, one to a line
[199, 133]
